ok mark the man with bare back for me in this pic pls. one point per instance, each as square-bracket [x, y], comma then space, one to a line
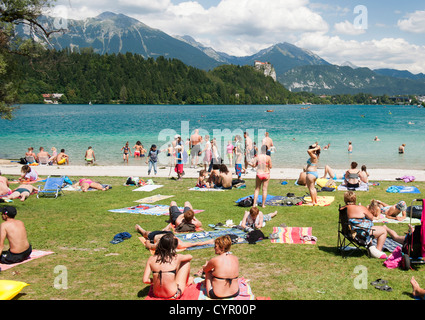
[195, 147]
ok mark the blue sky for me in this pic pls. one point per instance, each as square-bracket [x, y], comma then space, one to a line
[368, 33]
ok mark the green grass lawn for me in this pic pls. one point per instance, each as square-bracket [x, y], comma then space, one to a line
[78, 227]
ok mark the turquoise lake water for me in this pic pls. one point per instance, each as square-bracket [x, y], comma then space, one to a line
[107, 127]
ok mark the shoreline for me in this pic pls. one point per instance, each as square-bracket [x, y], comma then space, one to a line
[8, 167]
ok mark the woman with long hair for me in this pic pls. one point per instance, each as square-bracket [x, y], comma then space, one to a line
[170, 271]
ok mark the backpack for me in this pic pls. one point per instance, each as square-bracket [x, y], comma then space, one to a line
[247, 202]
[185, 227]
[253, 236]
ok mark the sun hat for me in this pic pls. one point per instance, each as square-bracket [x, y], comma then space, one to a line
[401, 206]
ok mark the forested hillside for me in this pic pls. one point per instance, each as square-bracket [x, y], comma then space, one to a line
[129, 78]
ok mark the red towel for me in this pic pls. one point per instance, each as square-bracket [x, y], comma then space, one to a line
[190, 293]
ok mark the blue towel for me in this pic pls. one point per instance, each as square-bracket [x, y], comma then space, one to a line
[402, 189]
[120, 237]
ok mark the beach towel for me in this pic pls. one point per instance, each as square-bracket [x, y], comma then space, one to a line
[407, 178]
[149, 209]
[402, 189]
[383, 219]
[389, 244]
[293, 235]
[284, 201]
[148, 187]
[205, 189]
[362, 187]
[197, 291]
[259, 200]
[322, 201]
[153, 199]
[35, 254]
[208, 235]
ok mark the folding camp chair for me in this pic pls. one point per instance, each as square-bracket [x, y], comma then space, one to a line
[44, 161]
[30, 159]
[52, 187]
[347, 237]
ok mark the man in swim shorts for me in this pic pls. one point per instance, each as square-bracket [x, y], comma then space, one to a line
[62, 158]
[195, 144]
[14, 231]
[22, 192]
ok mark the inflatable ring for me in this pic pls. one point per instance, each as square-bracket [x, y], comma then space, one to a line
[9, 288]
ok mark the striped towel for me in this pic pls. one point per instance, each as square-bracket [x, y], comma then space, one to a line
[301, 235]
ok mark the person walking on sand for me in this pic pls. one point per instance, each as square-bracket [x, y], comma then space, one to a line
[195, 147]
[126, 152]
[263, 163]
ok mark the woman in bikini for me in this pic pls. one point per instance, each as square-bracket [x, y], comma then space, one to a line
[352, 177]
[222, 272]
[311, 171]
[170, 271]
[126, 151]
[85, 184]
[263, 162]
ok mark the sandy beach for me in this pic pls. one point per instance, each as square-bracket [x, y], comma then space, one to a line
[8, 167]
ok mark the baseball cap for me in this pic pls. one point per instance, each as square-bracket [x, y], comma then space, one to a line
[9, 211]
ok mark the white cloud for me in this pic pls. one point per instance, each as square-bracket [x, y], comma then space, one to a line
[394, 53]
[348, 28]
[414, 22]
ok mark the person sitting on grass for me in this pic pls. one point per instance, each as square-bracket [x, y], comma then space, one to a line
[153, 238]
[202, 180]
[224, 180]
[14, 231]
[361, 221]
[183, 221]
[255, 219]
[170, 271]
[28, 174]
[222, 271]
[22, 192]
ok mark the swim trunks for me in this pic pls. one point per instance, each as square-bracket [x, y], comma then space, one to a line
[62, 161]
[8, 257]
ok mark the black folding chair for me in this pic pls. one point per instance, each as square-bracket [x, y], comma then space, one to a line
[347, 237]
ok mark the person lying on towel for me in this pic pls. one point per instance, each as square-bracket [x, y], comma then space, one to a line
[14, 231]
[153, 238]
[183, 221]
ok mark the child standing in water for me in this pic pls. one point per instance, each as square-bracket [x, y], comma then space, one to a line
[126, 151]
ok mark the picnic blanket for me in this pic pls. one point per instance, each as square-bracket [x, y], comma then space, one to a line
[322, 201]
[208, 235]
[149, 209]
[402, 189]
[259, 200]
[205, 189]
[389, 244]
[198, 291]
[293, 235]
[35, 254]
[153, 199]
[148, 187]
[362, 187]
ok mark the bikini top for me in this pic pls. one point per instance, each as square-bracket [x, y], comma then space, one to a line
[160, 272]
[228, 280]
[310, 163]
[353, 175]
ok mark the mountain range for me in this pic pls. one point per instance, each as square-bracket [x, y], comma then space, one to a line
[296, 68]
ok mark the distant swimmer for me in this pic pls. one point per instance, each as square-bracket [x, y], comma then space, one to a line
[401, 148]
[350, 147]
[376, 139]
[410, 122]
